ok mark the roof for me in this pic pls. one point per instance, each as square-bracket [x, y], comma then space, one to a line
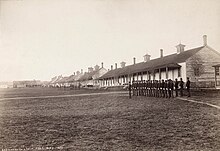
[166, 61]
[217, 65]
[89, 75]
[63, 80]
[71, 78]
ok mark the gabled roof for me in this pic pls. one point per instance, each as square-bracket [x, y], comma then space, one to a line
[63, 80]
[71, 78]
[89, 75]
[58, 79]
[170, 61]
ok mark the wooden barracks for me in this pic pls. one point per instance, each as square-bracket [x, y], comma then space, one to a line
[200, 64]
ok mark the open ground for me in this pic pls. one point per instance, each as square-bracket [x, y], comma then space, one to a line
[105, 121]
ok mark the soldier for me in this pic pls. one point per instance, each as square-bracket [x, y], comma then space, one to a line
[176, 85]
[170, 87]
[145, 88]
[154, 88]
[129, 89]
[166, 88]
[188, 86]
[163, 88]
[181, 86]
[157, 88]
[160, 88]
[150, 87]
[133, 87]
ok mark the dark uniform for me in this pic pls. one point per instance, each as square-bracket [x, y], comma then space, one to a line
[170, 87]
[181, 86]
[129, 89]
[166, 88]
[188, 86]
[176, 85]
[163, 88]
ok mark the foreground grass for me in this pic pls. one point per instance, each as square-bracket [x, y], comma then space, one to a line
[108, 122]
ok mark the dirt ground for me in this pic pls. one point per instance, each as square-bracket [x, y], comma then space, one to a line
[106, 122]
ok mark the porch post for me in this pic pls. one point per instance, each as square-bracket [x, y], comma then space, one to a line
[166, 72]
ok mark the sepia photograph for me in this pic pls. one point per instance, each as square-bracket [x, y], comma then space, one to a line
[109, 75]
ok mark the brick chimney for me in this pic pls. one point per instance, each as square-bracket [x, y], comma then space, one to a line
[111, 67]
[96, 67]
[74, 73]
[81, 70]
[180, 48]
[146, 57]
[161, 53]
[123, 64]
[102, 65]
[134, 60]
[116, 66]
[90, 69]
[204, 40]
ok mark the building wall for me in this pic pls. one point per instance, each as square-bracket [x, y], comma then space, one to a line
[183, 71]
[203, 60]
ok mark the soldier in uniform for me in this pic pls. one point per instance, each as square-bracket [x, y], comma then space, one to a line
[181, 86]
[129, 89]
[150, 87]
[163, 88]
[176, 85]
[153, 88]
[170, 88]
[157, 88]
[133, 86]
[160, 86]
[166, 88]
[188, 87]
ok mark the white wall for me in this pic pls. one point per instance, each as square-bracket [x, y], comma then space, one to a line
[183, 70]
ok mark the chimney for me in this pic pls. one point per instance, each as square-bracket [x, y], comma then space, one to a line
[180, 48]
[204, 40]
[161, 53]
[146, 57]
[111, 67]
[134, 60]
[116, 66]
[123, 64]
[96, 68]
[90, 69]
[74, 73]
[81, 70]
[77, 72]
[102, 65]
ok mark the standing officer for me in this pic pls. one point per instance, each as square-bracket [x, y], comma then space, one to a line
[188, 86]
[166, 88]
[163, 88]
[181, 86]
[170, 87]
[129, 89]
[176, 85]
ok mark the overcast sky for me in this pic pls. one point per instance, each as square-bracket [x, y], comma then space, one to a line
[40, 39]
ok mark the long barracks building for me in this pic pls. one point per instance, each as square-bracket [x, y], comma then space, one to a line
[200, 64]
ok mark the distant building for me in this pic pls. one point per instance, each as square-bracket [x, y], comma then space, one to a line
[197, 64]
[91, 78]
[6, 85]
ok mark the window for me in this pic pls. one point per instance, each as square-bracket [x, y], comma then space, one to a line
[217, 71]
[196, 71]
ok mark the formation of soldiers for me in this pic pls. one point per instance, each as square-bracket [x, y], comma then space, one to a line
[156, 88]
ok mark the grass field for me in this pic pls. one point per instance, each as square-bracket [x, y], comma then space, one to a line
[105, 122]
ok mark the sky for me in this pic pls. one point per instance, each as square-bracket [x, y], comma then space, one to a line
[40, 39]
